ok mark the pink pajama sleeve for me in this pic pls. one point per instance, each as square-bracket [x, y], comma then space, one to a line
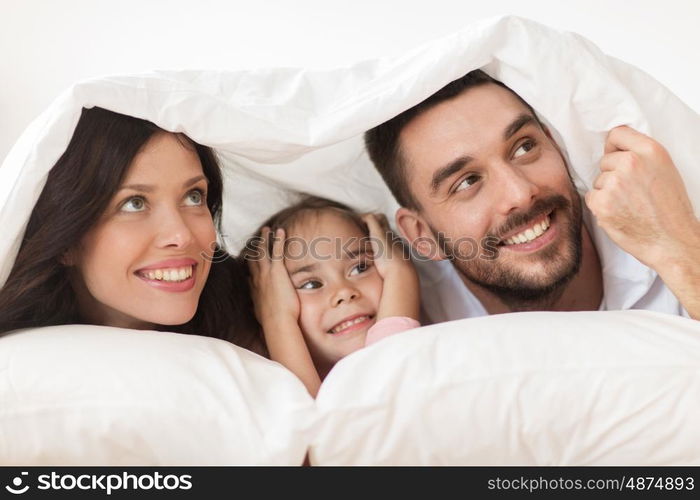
[389, 326]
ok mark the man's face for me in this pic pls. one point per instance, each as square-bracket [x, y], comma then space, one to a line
[481, 166]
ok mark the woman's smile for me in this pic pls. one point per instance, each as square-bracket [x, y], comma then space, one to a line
[155, 238]
[172, 275]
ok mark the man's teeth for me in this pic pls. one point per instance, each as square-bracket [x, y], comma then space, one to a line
[170, 274]
[530, 233]
[347, 324]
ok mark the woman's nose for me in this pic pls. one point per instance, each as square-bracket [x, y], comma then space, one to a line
[173, 231]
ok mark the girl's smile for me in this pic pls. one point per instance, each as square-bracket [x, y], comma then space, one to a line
[339, 293]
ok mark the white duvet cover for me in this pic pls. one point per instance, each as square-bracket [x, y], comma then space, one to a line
[530, 388]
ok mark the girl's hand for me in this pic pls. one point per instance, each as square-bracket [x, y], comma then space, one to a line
[400, 291]
[274, 295]
[277, 308]
[388, 250]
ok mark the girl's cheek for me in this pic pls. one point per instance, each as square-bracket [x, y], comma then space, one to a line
[371, 286]
[305, 306]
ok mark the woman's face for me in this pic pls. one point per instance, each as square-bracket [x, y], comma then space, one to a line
[146, 261]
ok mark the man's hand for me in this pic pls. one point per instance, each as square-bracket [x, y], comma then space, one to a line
[639, 199]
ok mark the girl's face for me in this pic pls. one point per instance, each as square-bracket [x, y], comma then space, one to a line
[144, 262]
[337, 284]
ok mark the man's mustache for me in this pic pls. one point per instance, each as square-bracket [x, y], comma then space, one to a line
[539, 208]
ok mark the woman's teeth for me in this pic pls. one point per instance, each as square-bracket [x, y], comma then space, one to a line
[346, 324]
[530, 233]
[172, 274]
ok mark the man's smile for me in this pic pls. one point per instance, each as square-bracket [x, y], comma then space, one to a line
[534, 236]
[533, 231]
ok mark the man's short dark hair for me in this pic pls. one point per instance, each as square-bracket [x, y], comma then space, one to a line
[382, 141]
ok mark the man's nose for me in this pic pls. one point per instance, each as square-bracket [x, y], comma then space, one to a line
[173, 230]
[514, 190]
[345, 293]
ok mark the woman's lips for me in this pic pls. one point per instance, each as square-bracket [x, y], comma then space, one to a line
[171, 286]
[170, 264]
[172, 275]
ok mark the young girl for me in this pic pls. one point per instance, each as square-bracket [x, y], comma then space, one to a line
[327, 282]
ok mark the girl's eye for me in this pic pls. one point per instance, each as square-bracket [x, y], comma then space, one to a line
[133, 204]
[360, 267]
[467, 182]
[310, 285]
[524, 148]
[195, 197]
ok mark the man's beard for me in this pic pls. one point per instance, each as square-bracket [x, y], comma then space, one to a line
[517, 289]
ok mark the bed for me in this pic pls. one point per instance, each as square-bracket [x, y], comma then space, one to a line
[618, 387]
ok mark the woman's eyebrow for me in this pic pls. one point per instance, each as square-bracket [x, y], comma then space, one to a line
[195, 180]
[148, 188]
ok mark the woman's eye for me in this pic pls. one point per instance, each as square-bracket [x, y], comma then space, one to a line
[360, 267]
[467, 181]
[134, 204]
[310, 285]
[524, 148]
[195, 197]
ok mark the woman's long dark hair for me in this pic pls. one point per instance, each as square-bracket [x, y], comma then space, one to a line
[38, 291]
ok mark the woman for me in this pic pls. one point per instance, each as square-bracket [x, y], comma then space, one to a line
[124, 234]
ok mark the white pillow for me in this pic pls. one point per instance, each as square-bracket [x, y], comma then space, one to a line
[603, 388]
[88, 395]
[528, 388]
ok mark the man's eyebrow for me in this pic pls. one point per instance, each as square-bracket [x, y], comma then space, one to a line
[303, 269]
[517, 124]
[456, 165]
[148, 188]
[447, 171]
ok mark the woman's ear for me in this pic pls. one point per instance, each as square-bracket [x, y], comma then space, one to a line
[68, 258]
[418, 233]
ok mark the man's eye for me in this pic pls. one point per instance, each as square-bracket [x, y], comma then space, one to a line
[467, 181]
[361, 267]
[195, 197]
[524, 148]
[310, 285]
[133, 204]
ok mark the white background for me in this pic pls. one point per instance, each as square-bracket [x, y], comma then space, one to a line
[46, 45]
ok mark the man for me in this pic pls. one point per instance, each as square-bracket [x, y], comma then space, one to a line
[473, 165]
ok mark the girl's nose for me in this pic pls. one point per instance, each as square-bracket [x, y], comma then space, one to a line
[345, 294]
